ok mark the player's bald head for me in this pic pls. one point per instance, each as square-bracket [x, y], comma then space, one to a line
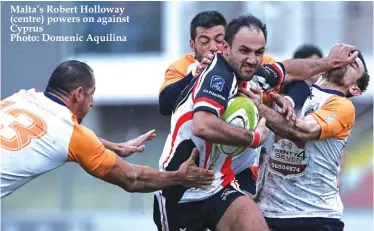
[249, 21]
[69, 76]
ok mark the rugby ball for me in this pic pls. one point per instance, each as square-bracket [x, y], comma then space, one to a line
[243, 113]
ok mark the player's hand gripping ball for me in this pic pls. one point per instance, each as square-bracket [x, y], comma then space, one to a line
[243, 113]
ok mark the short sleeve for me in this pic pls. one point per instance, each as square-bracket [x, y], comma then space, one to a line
[87, 150]
[267, 59]
[177, 71]
[269, 76]
[336, 118]
[216, 85]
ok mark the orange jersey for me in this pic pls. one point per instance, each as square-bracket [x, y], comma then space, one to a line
[180, 68]
[38, 135]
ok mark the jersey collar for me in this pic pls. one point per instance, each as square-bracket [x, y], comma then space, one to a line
[330, 91]
[55, 99]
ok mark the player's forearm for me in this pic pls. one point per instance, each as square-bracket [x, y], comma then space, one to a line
[149, 180]
[136, 178]
[215, 130]
[302, 69]
[278, 123]
[109, 145]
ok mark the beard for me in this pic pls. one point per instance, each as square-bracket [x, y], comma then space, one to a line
[199, 56]
[336, 76]
[237, 67]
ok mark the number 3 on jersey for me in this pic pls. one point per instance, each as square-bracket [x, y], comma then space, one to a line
[18, 133]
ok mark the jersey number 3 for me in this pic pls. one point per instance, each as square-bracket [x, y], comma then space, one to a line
[23, 133]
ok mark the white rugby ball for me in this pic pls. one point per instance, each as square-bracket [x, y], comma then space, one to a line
[243, 113]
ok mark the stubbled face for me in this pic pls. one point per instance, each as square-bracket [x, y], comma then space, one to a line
[86, 104]
[207, 41]
[246, 52]
[83, 101]
[347, 76]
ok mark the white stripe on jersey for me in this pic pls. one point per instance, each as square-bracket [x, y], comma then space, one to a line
[206, 104]
[162, 207]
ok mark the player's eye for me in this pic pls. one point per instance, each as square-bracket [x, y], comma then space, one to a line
[260, 52]
[219, 41]
[204, 42]
[244, 51]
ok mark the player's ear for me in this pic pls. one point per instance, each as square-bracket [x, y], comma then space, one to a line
[192, 45]
[78, 94]
[354, 90]
[225, 48]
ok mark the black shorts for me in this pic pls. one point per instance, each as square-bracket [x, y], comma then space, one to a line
[246, 181]
[193, 216]
[305, 224]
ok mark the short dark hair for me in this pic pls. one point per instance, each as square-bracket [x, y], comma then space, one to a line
[307, 50]
[206, 19]
[70, 75]
[363, 81]
[243, 21]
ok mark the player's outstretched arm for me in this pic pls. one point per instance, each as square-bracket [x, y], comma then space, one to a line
[86, 149]
[301, 69]
[137, 178]
[130, 147]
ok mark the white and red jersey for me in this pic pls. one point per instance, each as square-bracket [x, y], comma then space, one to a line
[38, 134]
[299, 179]
[209, 92]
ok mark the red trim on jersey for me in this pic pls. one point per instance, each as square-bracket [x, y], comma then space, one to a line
[280, 73]
[208, 150]
[227, 172]
[183, 119]
[254, 170]
[163, 213]
[212, 102]
[244, 84]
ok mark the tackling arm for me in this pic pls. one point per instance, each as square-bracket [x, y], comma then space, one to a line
[301, 69]
[86, 149]
[306, 128]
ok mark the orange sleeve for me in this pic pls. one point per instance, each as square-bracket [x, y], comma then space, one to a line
[266, 59]
[177, 71]
[336, 118]
[87, 150]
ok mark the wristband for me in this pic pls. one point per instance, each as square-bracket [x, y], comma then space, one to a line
[256, 138]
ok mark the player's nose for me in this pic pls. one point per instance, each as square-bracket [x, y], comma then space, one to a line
[251, 59]
[213, 48]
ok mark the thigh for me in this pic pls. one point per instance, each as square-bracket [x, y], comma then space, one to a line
[246, 181]
[231, 210]
[242, 215]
